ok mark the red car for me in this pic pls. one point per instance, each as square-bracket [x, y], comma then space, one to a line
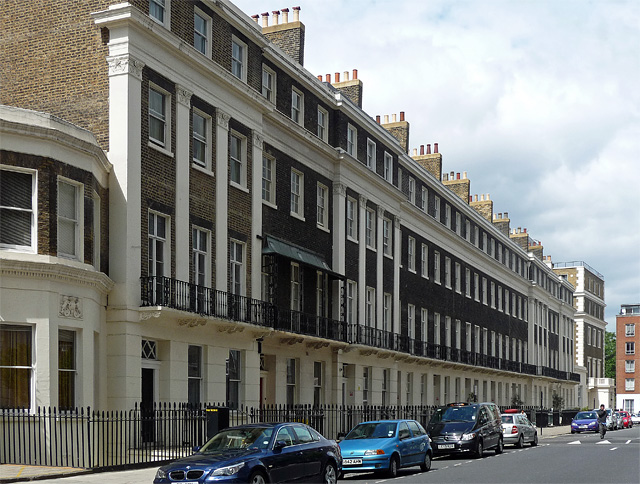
[626, 419]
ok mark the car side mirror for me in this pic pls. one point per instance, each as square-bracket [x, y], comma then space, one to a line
[279, 445]
[341, 436]
[196, 448]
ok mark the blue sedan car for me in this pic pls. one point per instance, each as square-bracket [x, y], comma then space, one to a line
[386, 446]
[257, 454]
[585, 422]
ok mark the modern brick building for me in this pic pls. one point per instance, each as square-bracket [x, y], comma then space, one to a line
[246, 233]
[627, 360]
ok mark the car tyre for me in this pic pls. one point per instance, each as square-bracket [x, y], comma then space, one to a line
[500, 447]
[534, 442]
[520, 442]
[394, 464]
[329, 475]
[426, 463]
[258, 477]
[479, 450]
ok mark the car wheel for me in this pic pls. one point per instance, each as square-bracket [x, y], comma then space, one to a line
[534, 442]
[393, 467]
[257, 477]
[499, 447]
[426, 463]
[330, 475]
[520, 442]
[479, 450]
[573, 431]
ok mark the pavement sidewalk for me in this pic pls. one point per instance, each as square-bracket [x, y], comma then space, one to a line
[20, 473]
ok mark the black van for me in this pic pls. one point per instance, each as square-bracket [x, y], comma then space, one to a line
[466, 427]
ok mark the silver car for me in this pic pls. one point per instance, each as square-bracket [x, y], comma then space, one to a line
[517, 429]
[618, 418]
[612, 422]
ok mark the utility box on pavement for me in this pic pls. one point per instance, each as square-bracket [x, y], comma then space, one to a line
[217, 420]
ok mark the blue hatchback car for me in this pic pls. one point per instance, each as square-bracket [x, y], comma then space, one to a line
[585, 422]
[257, 454]
[386, 446]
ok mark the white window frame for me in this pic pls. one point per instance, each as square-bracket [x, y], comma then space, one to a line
[387, 172]
[352, 141]
[202, 36]
[239, 61]
[97, 232]
[424, 323]
[424, 199]
[241, 161]
[458, 277]
[447, 272]
[387, 303]
[436, 328]
[32, 211]
[467, 231]
[322, 206]
[352, 302]
[72, 371]
[292, 381]
[412, 190]
[201, 256]
[436, 208]
[447, 331]
[630, 348]
[165, 7]
[387, 239]
[237, 268]
[629, 384]
[164, 144]
[436, 267]
[629, 366]
[371, 154]
[370, 229]
[268, 179]
[411, 254]
[424, 261]
[411, 320]
[195, 377]
[76, 223]
[166, 244]
[30, 368]
[296, 287]
[203, 138]
[629, 329]
[269, 84]
[447, 215]
[476, 286]
[458, 224]
[370, 307]
[352, 219]
[323, 124]
[467, 282]
[297, 106]
[296, 205]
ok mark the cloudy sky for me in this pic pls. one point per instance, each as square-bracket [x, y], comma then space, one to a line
[538, 101]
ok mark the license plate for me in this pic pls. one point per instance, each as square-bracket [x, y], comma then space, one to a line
[583, 426]
[351, 462]
[446, 446]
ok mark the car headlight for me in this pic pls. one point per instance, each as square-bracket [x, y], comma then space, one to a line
[229, 470]
[161, 474]
[469, 436]
[374, 452]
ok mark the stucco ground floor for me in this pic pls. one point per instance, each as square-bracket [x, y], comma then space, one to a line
[628, 401]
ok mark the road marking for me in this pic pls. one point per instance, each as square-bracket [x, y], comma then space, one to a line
[458, 464]
[604, 442]
[627, 442]
[575, 442]
[613, 448]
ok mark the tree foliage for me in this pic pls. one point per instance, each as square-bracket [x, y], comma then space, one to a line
[609, 355]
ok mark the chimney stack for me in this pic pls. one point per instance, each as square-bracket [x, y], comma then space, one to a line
[289, 36]
[430, 162]
[460, 187]
[502, 223]
[398, 129]
[351, 88]
[483, 207]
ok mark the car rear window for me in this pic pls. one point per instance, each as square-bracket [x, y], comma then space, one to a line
[507, 419]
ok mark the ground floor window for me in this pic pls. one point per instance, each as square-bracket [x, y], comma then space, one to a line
[16, 366]
[194, 374]
[233, 379]
[66, 369]
[291, 381]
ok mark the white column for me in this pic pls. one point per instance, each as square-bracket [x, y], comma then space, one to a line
[125, 127]
[339, 238]
[183, 138]
[256, 217]
[379, 271]
[362, 259]
[222, 197]
[397, 243]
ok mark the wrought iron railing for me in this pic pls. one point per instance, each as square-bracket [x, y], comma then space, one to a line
[168, 292]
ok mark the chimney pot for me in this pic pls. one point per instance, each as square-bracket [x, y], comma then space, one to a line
[386, 119]
[452, 176]
[337, 77]
[355, 74]
[488, 197]
[265, 19]
[475, 197]
[346, 75]
[415, 152]
[422, 149]
[457, 176]
[470, 198]
[296, 14]
[464, 175]
[378, 118]
[393, 117]
[255, 17]
[506, 215]
[428, 149]
[401, 115]
[525, 230]
[435, 147]
[482, 197]
[320, 77]
[500, 215]
[328, 78]
[285, 15]
[445, 177]
[276, 17]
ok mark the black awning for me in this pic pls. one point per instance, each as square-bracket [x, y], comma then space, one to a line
[298, 254]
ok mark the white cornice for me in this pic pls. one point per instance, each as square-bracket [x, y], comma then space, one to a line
[55, 272]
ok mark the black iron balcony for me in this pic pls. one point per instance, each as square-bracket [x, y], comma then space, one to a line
[184, 296]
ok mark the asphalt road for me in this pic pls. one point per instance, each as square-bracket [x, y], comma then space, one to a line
[563, 459]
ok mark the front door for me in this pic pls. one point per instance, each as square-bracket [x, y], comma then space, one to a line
[146, 407]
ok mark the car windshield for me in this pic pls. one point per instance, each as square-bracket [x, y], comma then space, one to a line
[585, 415]
[507, 419]
[239, 438]
[372, 430]
[454, 414]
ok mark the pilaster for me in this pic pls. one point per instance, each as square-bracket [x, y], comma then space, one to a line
[183, 163]
[256, 217]
[222, 197]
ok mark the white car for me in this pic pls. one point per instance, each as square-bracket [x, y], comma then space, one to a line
[635, 418]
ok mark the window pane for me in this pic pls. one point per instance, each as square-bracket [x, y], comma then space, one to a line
[15, 227]
[15, 189]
